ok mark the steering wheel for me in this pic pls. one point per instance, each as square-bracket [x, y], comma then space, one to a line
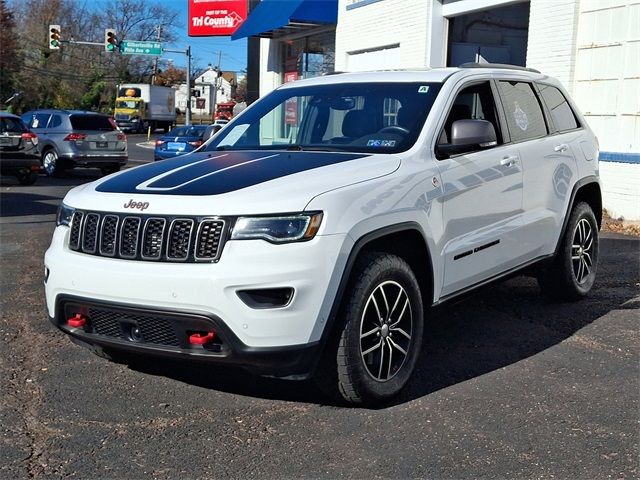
[394, 129]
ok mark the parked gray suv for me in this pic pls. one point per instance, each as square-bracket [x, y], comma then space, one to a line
[73, 138]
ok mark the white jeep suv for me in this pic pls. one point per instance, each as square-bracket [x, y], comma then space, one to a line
[312, 234]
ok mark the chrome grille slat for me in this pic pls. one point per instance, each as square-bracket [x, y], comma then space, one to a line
[108, 235]
[90, 232]
[179, 239]
[129, 237]
[208, 239]
[76, 229]
[152, 238]
[147, 238]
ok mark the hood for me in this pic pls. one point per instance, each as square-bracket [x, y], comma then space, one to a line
[233, 182]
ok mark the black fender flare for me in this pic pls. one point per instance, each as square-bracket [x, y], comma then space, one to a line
[346, 275]
[577, 186]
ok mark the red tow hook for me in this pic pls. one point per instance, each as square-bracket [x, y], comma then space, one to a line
[201, 338]
[77, 321]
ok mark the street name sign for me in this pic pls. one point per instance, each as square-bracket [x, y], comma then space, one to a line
[127, 47]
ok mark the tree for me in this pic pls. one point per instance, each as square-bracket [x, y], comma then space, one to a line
[81, 76]
[9, 57]
[171, 76]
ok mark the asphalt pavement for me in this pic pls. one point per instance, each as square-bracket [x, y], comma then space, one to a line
[509, 385]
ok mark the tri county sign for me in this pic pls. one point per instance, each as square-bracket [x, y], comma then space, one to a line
[212, 18]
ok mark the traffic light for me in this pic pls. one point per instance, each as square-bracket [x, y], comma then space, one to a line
[110, 40]
[54, 37]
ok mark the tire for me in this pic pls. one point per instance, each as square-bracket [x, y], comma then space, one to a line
[382, 317]
[27, 178]
[50, 163]
[572, 273]
[110, 169]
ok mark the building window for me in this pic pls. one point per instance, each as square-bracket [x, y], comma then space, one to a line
[351, 4]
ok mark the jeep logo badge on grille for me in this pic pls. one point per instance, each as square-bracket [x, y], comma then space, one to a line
[137, 205]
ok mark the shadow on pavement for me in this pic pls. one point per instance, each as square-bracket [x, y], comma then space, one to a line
[498, 326]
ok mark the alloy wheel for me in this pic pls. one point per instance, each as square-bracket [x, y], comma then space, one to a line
[49, 162]
[582, 251]
[385, 331]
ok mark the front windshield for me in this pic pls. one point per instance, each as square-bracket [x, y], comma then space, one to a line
[127, 104]
[353, 117]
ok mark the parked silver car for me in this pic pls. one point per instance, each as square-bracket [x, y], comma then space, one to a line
[73, 138]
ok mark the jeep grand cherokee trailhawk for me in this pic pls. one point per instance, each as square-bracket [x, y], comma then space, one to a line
[311, 234]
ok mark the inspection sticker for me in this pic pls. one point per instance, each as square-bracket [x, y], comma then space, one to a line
[381, 143]
[423, 89]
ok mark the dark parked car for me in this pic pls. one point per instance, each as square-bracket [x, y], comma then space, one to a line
[179, 141]
[19, 154]
[74, 138]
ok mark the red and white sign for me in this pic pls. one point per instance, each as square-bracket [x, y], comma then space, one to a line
[291, 105]
[214, 18]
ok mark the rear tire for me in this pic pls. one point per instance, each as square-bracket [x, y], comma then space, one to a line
[380, 325]
[27, 178]
[50, 163]
[572, 273]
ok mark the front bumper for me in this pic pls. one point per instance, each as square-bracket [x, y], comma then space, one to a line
[311, 269]
[166, 333]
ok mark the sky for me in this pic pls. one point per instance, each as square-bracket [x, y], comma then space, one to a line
[204, 50]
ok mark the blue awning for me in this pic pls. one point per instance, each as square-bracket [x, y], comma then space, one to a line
[273, 18]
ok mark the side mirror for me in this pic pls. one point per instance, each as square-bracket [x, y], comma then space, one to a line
[468, 136]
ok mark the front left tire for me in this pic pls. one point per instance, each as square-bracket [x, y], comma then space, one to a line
[379, 332]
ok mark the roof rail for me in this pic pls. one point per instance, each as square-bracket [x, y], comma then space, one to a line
[498, 65]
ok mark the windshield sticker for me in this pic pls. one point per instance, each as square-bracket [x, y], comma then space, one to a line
[234, 135]
[521, 118]
[35, 123]
[381, 143]
[423, 89]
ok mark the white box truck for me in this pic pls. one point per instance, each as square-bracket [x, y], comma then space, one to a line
[140, 106]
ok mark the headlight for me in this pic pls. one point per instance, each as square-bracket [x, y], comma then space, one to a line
[65, 214]
[280, 229]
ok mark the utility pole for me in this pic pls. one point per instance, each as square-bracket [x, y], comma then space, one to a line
[155, 61]
[187, 120]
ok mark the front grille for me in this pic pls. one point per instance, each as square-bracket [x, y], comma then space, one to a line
[118, 325]
[139, 237]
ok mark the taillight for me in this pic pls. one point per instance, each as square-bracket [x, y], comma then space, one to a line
[196, 143]
[72, 137]
[122, 137]
[159, 142]
[32, 137]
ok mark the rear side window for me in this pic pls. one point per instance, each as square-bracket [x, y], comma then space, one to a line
[91, 122]
[40, 120]
[11, 125]
[523, 111]
[56, 121]
[563, 117]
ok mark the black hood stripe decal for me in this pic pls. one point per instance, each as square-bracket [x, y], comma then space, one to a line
[218, 173]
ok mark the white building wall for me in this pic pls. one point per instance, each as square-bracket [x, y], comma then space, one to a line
[607, 89]
[392, 33]
[553, 30]
[621, 189]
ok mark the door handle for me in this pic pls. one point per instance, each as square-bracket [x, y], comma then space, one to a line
[509, 161]
[563, 147]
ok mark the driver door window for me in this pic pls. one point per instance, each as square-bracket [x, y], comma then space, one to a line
[472, 103]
